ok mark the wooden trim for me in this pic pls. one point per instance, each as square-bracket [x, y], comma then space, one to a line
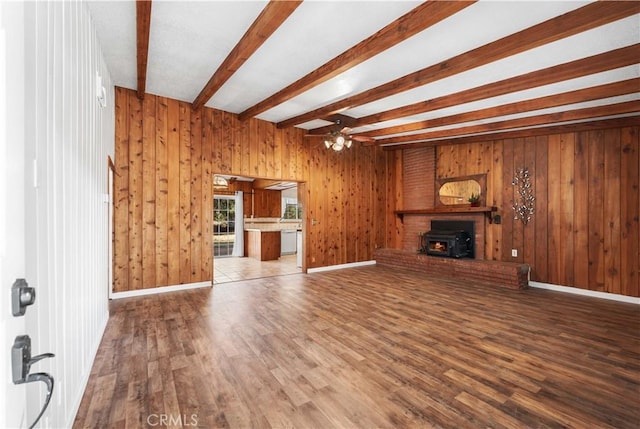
[571, 23]
[581, 95]
[418, 19]
[550, 130]
[143, 25]
[269, 20]
[111, 219]
[530, 121]
[111, 165]
[264, 183]
[448, 210]
[453, 210]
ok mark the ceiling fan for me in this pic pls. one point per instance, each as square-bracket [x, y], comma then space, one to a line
[338, 136]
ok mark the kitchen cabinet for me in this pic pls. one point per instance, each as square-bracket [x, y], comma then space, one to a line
[262, 245]
[267, 203]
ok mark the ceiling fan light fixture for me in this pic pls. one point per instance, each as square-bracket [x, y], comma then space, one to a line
[338, 141]
[220, 182]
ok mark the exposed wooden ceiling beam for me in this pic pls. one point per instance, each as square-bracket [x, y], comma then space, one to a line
[143, 25]
[529, 121]
[418, 19]
[580, 95]
[598, 124]
[595, 64]
[271, 17]
[585, 18]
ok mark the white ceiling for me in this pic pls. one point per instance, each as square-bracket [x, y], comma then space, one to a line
[190, 39]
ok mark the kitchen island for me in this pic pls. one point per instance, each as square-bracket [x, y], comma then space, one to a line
[262, 245]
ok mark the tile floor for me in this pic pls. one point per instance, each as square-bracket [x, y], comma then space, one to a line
[231, 269]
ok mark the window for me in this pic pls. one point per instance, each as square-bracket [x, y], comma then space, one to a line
[291, 209]
[224, 221]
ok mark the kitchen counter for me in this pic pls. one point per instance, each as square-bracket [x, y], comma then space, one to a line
[271, 224]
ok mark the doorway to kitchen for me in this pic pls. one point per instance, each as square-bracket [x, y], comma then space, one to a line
[269, 226]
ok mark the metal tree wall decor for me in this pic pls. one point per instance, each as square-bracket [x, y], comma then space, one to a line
[523, 208]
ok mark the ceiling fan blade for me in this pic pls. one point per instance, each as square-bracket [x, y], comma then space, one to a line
[363, 139]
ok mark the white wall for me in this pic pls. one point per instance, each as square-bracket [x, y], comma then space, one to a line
[70, 135]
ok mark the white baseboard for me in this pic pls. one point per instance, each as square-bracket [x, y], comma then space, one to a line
[586, 292]
[87, 374]
[340, 267]
[161, 289]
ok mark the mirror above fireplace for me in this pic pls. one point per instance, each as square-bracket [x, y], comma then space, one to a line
[456, 191]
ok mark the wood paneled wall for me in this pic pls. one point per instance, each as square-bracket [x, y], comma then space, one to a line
[584, 232]
[344, 204]
[166, 155]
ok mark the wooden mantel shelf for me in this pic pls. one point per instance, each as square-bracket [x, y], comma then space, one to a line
[448, 210]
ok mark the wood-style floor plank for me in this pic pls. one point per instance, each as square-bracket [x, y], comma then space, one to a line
[367, 347]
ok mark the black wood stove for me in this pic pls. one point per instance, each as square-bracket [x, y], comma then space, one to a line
[453, 239]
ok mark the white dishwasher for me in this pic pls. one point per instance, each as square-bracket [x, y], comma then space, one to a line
[288, 242]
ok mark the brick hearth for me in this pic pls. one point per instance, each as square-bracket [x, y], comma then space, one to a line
[505, 274]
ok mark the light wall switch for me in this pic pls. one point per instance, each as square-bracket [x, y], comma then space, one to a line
[514, 253]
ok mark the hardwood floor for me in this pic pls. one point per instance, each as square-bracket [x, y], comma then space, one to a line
[367, 347]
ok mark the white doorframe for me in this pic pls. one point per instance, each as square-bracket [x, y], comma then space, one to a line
[13, 403]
